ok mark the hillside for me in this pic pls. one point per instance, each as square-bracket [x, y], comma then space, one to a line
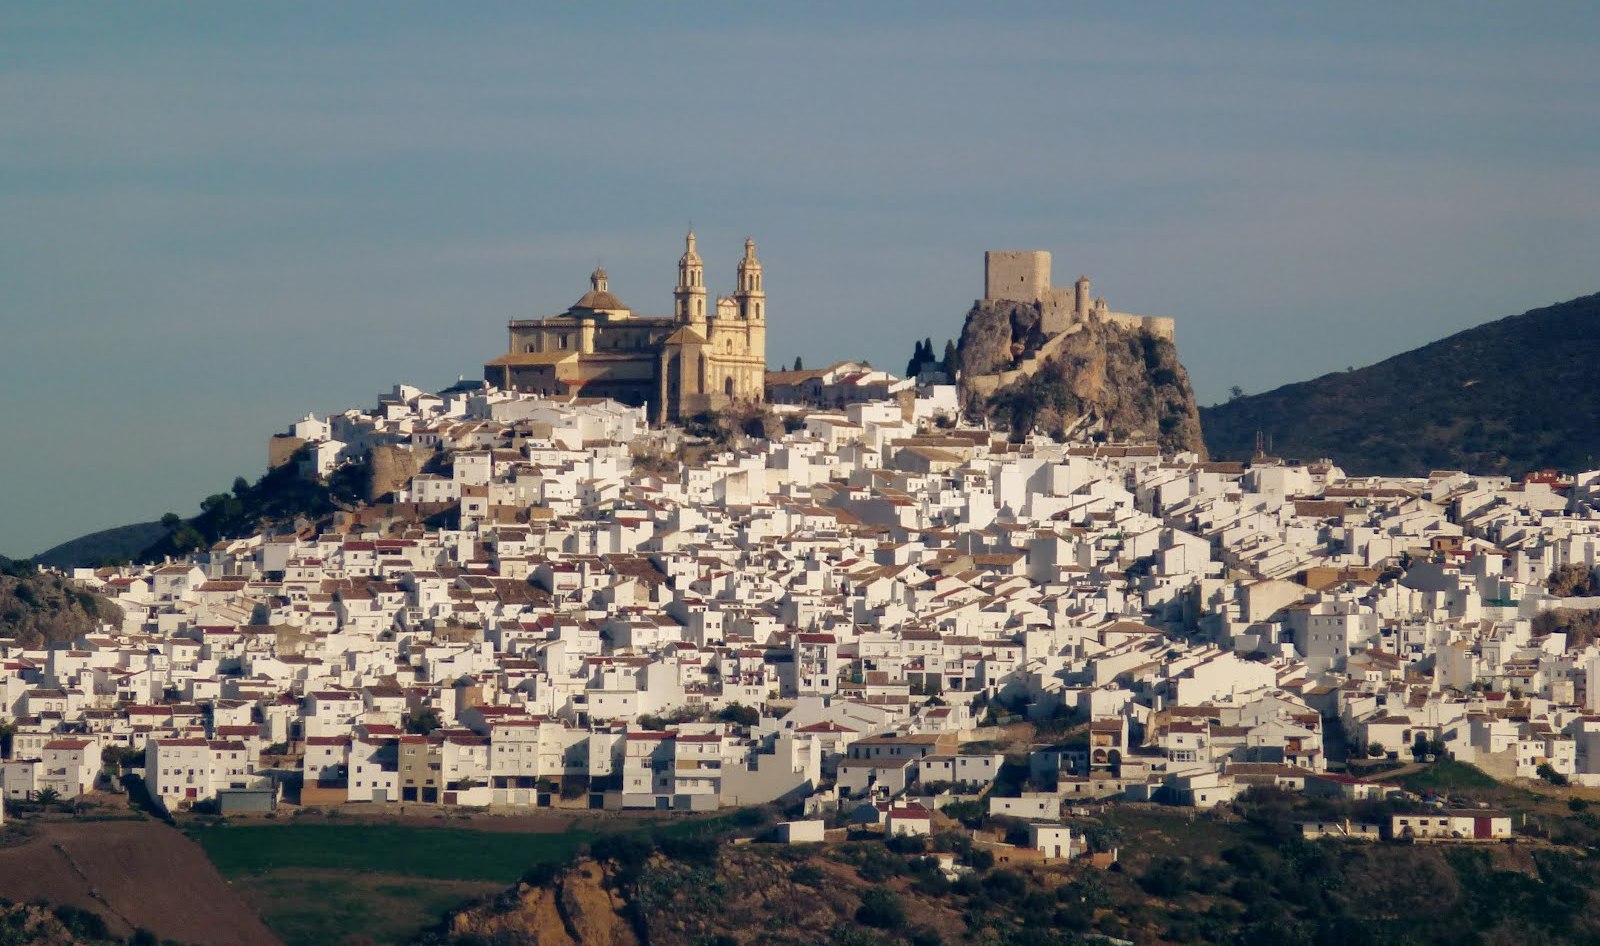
[122, 543]
[1507, 397]
[121, 881]
[1102, 378]
[278, 497]
[1239, 875]
[38, 608]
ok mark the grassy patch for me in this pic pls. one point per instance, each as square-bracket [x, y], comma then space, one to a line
[318, 883]
[321, 908]
[1168, 832]
[442, 853]
[1447, 775]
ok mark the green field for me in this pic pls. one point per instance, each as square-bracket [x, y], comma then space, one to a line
[1447, 775]
[442, 853]
[319, 883]
[327, 908]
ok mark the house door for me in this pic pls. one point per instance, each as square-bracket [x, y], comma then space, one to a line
[1482, 828]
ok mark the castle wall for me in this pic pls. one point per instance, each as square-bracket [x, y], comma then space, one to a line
[393, 466]
[1157, 326]
[1016, 275]
[281, 449]
[1057, 310]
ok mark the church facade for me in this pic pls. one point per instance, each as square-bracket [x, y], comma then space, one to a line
[702, 358]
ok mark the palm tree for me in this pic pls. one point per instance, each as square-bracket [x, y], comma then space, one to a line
[47, 797]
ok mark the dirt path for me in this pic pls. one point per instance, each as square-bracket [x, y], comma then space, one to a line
[135, 874]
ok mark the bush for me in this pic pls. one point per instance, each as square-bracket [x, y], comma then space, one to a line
[881, 908]
[740, 715]
[82, 924]
[1003, 886]
[809, 875]
[1550, 775]
[1164, 878]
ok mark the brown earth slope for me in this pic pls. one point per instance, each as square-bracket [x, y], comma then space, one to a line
[136, 874]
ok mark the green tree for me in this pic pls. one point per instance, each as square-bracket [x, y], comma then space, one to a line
[422, 721]
[918, 356]
[169, 521]
[740, 715]
[951, 358]
[799, 363]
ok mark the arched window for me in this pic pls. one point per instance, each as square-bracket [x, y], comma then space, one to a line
[727, 386]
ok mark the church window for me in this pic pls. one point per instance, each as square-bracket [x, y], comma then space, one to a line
[563, 341]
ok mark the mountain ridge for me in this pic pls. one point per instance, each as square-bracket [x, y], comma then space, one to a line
[1509, 396]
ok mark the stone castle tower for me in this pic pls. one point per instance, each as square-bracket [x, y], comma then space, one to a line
[1024, 276]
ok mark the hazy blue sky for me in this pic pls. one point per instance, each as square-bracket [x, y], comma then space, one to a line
[216, 217]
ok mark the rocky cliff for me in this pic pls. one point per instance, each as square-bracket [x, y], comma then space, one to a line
[1098, 378]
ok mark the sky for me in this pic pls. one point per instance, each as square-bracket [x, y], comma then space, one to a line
[215, 218]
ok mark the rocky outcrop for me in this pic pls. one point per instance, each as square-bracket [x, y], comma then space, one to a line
[39, 608]
[1098, 377]
[577, 907]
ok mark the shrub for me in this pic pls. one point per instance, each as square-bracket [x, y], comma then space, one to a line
[1164, 878]
[881, 908]
[1550, 775]
[808, 874]
[1003, 885]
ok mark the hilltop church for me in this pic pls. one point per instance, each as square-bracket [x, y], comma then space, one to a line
[697, 360]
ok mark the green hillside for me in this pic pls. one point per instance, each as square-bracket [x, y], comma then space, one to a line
[123, 543]
[1510, 396]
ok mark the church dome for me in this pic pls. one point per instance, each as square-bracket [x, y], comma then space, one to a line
[599, 297]
[600, 300]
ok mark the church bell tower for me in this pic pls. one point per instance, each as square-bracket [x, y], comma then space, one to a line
[690, 296]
